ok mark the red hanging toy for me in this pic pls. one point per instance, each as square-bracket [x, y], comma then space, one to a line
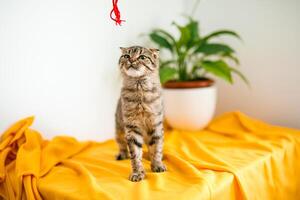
[117, 13]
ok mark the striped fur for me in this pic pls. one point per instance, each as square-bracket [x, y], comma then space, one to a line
[139, 112]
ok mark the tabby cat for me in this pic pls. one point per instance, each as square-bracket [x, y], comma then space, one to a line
[139, 114]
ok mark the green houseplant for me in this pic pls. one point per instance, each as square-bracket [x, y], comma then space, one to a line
[193, 56]
[189, 94]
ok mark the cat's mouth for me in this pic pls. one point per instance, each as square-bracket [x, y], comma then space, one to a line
[134, 67]
[134, 71]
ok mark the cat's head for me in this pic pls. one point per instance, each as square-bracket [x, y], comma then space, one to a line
[138, 61]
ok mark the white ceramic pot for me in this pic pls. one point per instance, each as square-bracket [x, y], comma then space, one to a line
[189, 109]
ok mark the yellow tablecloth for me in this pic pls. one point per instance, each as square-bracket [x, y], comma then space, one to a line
[235, 157]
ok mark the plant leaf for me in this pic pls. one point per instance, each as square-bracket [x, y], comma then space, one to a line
[231, 57]
[161, 41]
[167, 62]
[167, 73]
[218, 68]
[240, 75]
[184, 36]
[189, 34]
[166, 34]
[220, 33]
[194, 33]
[214, 48]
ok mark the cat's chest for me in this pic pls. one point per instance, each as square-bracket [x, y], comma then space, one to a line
[140, 99]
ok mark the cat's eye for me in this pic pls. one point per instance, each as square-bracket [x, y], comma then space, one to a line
[142, 57]
[126, 56]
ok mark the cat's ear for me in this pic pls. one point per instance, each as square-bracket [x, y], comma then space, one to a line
[123, 49]
[155, 52]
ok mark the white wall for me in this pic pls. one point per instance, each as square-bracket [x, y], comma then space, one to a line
[269, 56]
[58, 59]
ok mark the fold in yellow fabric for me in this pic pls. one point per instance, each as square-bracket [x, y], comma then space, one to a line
[235, 157]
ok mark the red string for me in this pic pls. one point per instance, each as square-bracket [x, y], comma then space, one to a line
[117, 13]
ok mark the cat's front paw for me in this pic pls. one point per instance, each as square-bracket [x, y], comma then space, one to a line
[137, 176]
[158, 167]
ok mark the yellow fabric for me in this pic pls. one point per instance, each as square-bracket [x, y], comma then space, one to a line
[235, 157]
